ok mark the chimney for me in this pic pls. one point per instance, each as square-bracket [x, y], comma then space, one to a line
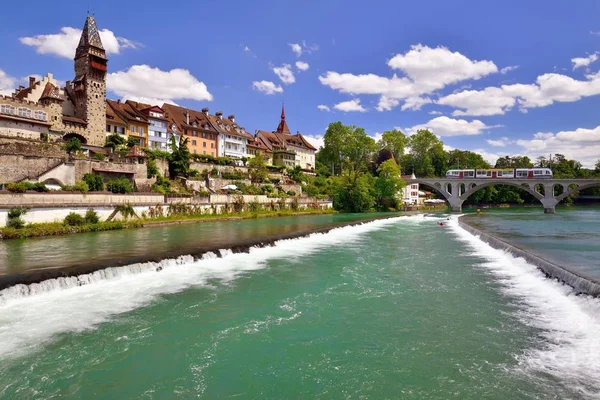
[187, 117]
[119, 101]
[31, 81]
[219, 114]
[231, 117]
[205, 110]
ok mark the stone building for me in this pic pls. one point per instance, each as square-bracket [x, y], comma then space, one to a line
[77, 110]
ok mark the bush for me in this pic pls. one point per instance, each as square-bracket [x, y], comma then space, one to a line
[291, 193]
[37, 186]
[99, 156]
[266, 189]
[275, 181]
[126, 210]
[121, 185]
[152, 169]
[236, 174]
[214, 172]
[91, 217]
[74, 219]
[73, 146]
[94, 182]
[19, 187]
[79, 186]
[14, 219]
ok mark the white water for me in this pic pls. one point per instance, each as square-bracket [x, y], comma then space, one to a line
[32, 315]
[569, 324]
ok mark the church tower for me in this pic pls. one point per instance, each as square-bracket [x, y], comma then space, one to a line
[283, 127]
[89, 85]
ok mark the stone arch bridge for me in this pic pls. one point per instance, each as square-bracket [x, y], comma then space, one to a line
[456, 191]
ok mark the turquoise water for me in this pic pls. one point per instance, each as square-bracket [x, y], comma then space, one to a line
[390, 309]
[570, 238]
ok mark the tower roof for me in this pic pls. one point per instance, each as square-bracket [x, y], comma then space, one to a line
[90, 36]
[283, 128]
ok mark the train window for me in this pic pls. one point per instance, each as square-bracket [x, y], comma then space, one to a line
[537, 172]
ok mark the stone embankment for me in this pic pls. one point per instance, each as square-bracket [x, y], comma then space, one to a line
[54, 207]
[581, 284]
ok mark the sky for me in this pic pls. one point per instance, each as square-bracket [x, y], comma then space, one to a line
[500, 78]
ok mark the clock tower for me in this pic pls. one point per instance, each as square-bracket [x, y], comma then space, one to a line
[89, 85]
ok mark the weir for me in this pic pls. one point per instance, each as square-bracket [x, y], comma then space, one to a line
[579, 283]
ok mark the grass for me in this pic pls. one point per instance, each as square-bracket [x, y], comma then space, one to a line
[59, 228]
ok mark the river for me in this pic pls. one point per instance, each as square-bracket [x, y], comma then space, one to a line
[398, 308]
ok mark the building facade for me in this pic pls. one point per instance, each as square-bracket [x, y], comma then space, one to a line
[158, 137]
[410, 193]
[202, 137]
[233, 139]
[136, 124]
[289, 150]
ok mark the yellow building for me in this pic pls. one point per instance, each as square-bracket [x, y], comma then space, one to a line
[134, 122]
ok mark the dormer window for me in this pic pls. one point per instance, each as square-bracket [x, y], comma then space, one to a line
[195, 124]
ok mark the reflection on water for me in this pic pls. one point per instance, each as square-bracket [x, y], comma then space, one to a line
[20, 255]
[570, 238]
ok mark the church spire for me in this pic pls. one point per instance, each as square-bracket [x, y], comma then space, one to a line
[283, 128]
[90, 37]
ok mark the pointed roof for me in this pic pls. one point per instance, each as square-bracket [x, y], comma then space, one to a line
[283, 128]
[90, 36]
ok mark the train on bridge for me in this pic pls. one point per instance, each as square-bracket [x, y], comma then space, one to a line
[516, 173]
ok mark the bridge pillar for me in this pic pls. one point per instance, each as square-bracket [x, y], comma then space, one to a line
[549, 203]
[455, 204]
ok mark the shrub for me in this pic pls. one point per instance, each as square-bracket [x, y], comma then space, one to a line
[238, 203]
[126, 210]
[37, 186]
[291, 193]
[73, 146]
[214, 172]
[94, 182]
[266, 189]
[194, 173]
[254, 206]
[79, 186]
[14, 219]
[275, 181]
[236, 174]
[19, 187]
[121, 185]
[91, 217]
[294, 206]
[99, 156]
[74, 219]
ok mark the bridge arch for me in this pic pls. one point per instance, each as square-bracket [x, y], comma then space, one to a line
[578, 188]
[436, 187]
[485, 184]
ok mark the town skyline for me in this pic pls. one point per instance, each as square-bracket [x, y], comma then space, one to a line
[491, 96]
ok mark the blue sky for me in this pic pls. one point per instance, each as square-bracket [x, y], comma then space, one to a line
[511, 77]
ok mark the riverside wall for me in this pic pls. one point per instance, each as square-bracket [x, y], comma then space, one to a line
[54, 207]
[581, 284]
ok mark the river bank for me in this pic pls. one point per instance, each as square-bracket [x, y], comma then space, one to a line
[39, 271]
[580, 282]
[58, 228]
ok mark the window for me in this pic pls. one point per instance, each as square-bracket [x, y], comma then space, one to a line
[538, 172]
[195, 133]
[108, 128]
[204, 144]
[24, 112]
[131, 128]
[141, 131]
[212, 145]
[6, 109]
[193, 144]
[204, 152]
[195, 152]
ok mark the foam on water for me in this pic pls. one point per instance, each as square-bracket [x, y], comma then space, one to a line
[568, 325]
[31, 315]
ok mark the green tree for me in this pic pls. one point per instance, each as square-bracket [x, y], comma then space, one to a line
[73, 146]
[514, 162]
[466, 159]
[388, 185]
[179, 159]
[131, 141]
[114, 141]
[394, 141]
[353, 195]
[428, 156]
[258, 169]
[296, 174]
[94, 182]
[346, 149]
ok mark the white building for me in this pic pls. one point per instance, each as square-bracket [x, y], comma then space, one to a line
[410, 193]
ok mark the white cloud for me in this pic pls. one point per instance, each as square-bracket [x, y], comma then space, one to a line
[302, 66]
[152, 85]
[415, 103]
[315, 140]
[426, 70]
[267, 87]
[581, 144]
[296, 48]
[323, 107]
[285, 73]
[64, 43]
[350, 105]
[595, 33]
[435, 112]
[246, 49]
[502, 142]
[386, 103]
[506, 70]
[445, 126]
[579, 62]
[489, 156]
[436, 68]
[7, 84]
[549, 88]
[302, 48]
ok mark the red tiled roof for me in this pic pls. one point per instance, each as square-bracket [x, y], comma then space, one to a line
[52, 92]
[178, 116]
[136, 151]
[282, 127]
[73, 120]
[221, 125]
